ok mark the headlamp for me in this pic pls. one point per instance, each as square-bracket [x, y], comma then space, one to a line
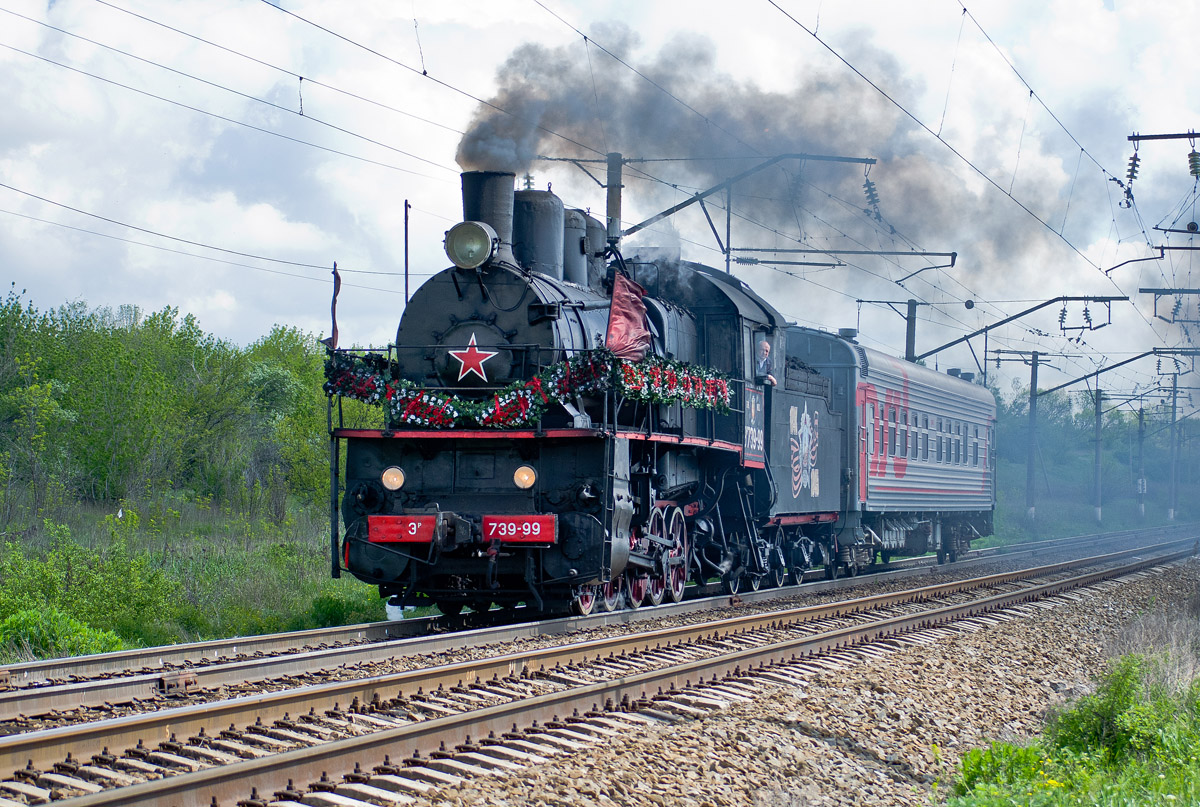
[524, 477]
[470, 244]
[392, 478]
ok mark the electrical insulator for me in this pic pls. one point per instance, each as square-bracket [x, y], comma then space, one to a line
[872, 195]
[1159, 370]
[997, 361]
[1194, 163]
[1131, 174]
[1062, 317]
[1087, 316]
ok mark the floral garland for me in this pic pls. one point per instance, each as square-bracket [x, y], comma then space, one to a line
[522, 403]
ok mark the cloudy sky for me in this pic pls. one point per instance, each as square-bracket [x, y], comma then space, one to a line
[219, 156]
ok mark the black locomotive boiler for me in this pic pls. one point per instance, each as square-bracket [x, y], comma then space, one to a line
[565, 426]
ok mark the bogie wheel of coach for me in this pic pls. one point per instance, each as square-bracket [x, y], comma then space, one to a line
[677, 569]
[584, 601]
[610, 594]
[831, 570]
[637, 587]
[656, 584]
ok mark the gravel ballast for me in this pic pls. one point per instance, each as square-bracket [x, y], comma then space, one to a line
[865, 730]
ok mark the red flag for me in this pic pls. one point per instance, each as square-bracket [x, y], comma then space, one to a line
[628, 338]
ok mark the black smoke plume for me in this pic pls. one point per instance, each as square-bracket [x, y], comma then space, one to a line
[558, 102]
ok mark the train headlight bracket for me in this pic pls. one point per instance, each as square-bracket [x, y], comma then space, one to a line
[471, 244]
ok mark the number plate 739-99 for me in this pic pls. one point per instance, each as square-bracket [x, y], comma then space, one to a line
[521, 529]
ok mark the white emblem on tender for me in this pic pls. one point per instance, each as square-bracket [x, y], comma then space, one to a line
[804, 438]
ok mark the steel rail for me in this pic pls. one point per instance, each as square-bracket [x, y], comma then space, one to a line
[160, 664]
[229, 783]
[46, 747]
[16, 704]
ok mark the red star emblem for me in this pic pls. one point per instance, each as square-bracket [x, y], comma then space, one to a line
[471, 360]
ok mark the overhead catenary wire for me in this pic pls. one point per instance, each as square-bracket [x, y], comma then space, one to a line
[982, 174]
[234, 121]
[422, 73]
[164, 235]
[284, 70]
[239, 93]
[209, 258]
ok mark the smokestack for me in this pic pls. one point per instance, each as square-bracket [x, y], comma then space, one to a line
[538, 232]
[488, 197]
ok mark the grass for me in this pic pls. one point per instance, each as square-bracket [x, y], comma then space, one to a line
[1134, 741]
[166, 573]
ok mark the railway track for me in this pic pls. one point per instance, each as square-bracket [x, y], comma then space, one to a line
[160, 676]
[419, 729]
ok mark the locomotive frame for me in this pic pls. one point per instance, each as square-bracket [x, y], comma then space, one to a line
[617, 489]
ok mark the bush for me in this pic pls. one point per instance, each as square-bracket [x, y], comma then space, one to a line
[114, 590]
[342, 605]
[1125, 716]
[49, 633]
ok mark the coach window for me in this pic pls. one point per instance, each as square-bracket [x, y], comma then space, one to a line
[891, 431]
[871, 428]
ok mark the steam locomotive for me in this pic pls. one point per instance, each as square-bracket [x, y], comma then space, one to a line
[568, 427]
